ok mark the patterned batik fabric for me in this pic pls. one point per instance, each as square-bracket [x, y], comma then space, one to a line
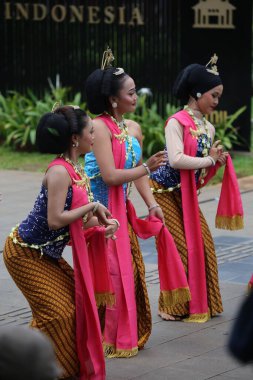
[34, 229]
[171, 205]
[48, 286]
[170, 177]
[144, 319]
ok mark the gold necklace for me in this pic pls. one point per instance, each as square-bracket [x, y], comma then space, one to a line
[122, 137]
[198, 123]
[205, 142]
[84, 182]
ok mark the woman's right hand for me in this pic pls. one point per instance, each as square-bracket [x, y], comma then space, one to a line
[216, 150]
[111, 229]
[102, 213]
[158, 159]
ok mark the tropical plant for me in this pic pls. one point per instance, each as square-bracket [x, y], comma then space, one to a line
[152, 125]
[19, 114]
[227, 132]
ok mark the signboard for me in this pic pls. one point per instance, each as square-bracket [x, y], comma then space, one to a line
[152, 40]
[42, 38]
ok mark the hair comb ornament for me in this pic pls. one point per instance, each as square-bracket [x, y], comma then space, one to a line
[119, 70]
[74, 106]
[56, 106]
[107, 60]
[211, 66]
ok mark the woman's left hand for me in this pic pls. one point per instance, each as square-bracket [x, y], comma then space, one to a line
[223, 158]
[157, 211]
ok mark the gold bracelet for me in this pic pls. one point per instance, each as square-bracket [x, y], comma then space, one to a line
[153, 206]
[117, 222]
[85, 217]
[147, 169]
[95, 208]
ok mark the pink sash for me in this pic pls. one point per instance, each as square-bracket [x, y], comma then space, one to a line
[127, 337]
[88, 332]
[229, 214]
[196, 260]
[173, 281]
[250, 284]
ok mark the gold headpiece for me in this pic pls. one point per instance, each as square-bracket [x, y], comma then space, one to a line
[107, 59]
[211, 65]
[56, 106]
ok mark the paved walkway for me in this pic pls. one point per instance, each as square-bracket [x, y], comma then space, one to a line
[176, 350]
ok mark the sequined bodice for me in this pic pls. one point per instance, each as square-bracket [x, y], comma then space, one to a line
[98, 186]
[34, 229]
[170, 177]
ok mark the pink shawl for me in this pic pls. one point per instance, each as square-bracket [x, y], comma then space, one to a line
[196, 259]
[250, 284]
[117, 208]
[173, 281]
[230, 210]
[88, 332]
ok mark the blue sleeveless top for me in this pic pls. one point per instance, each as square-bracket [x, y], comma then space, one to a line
[170, 177]
[98, 187]
[34, 229]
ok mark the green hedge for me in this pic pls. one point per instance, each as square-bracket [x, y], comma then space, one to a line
[19, 115]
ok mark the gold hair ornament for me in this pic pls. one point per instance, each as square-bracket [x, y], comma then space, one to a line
[56, 106]
[211, 66]
[107, 60]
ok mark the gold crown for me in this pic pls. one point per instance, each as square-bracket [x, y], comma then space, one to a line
[107, 60]
[211, 66]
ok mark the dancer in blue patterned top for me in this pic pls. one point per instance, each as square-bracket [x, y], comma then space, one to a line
[111, 93]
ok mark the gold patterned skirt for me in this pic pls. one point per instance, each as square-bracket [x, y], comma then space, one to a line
[48, 286]
[171, 205]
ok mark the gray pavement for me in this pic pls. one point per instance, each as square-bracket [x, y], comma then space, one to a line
[175, 350]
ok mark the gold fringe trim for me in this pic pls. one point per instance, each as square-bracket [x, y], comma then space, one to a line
[111, 352]
[103, 299]
[198, 318]
[143, 340]
[176, 296]
[229, 222]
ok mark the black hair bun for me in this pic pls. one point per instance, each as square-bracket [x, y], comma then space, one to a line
[182, 85]
[53, 133]
[96, 101]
